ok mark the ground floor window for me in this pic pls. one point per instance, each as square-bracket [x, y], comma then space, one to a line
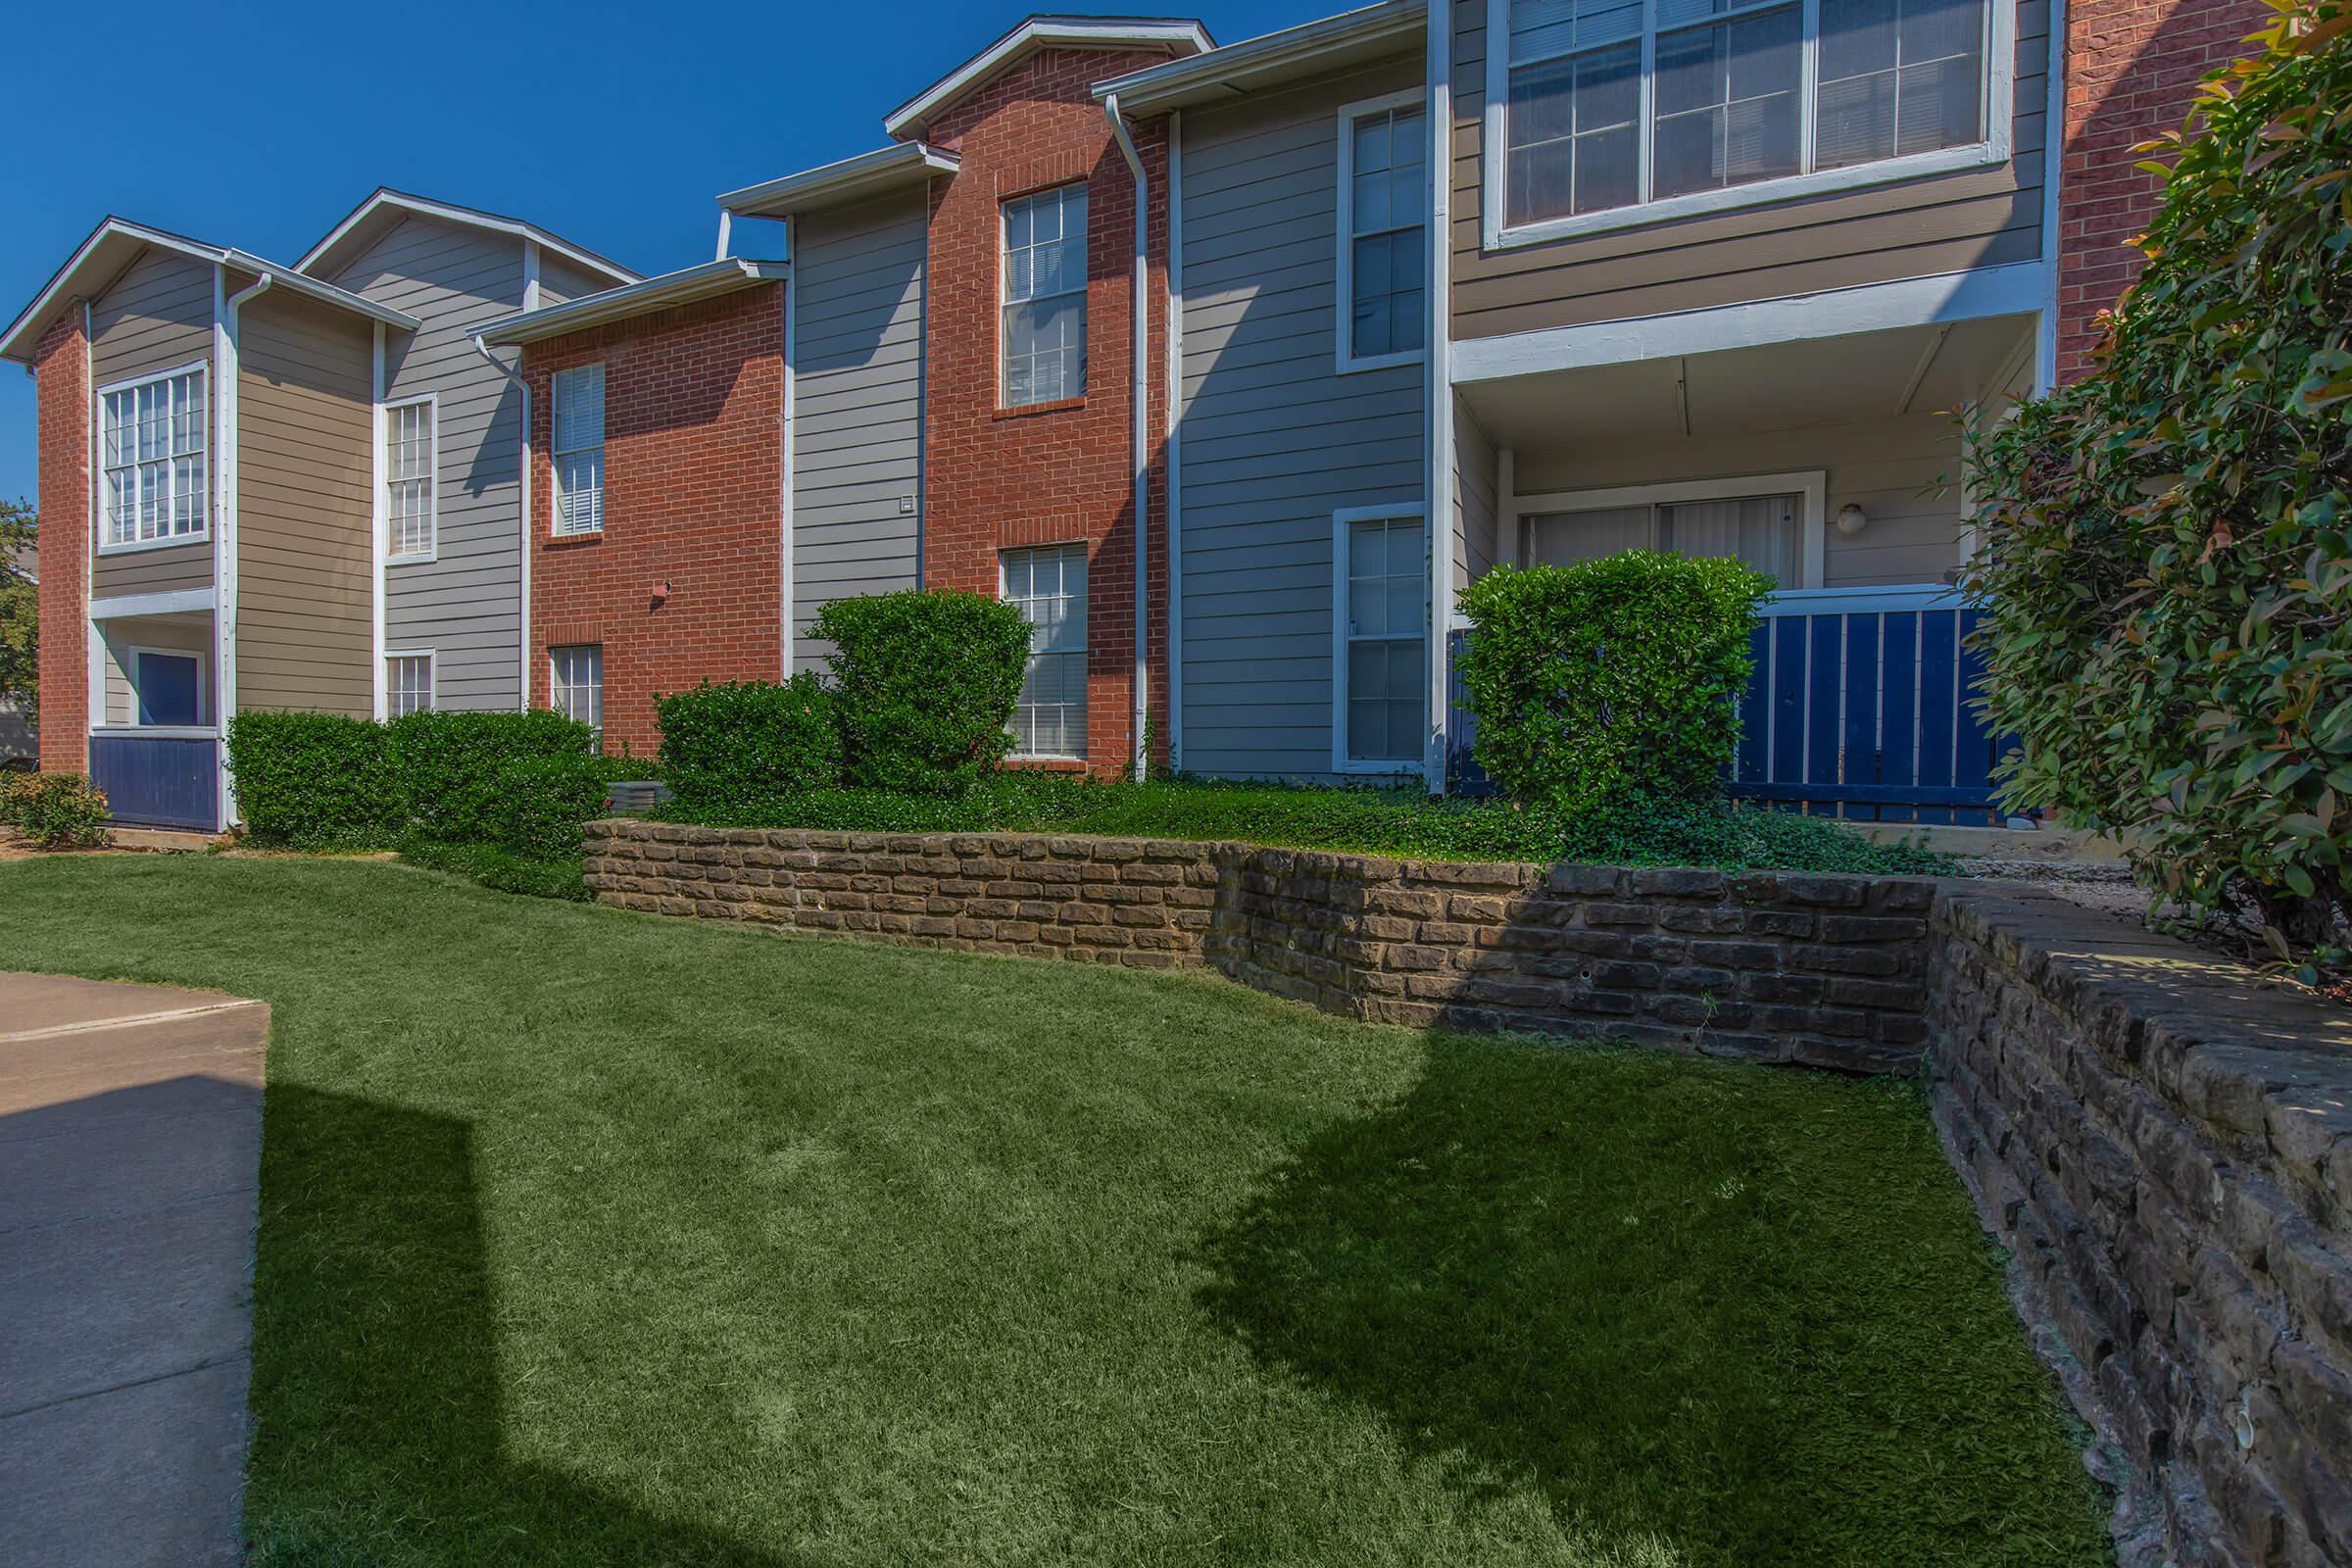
[576, 683]
[1382, 674]
[408, 684]
[167, 686]
[1049, 587]
[1771, 523]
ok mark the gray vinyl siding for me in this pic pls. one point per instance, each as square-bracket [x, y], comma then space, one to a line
[1474, 505]
[158, 315]
[856, 408]
[560, 279]
[1915, 228]
[1274, 439]
[464, 604]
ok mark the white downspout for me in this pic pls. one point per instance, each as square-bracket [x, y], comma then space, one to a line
[726, 224]
[230, 465]
[381, 523]
[1173, 464]
[522, 491]
[1439, 378]
[1141, 396]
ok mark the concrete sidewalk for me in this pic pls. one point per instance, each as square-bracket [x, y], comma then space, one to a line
[131, 1135]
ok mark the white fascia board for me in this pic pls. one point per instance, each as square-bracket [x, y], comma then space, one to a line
[470, 217]
[683, 287]
[295, 282]
[1042, 32]
[2018, 288]
[1271, 60]
[181, 602]
[873, 173]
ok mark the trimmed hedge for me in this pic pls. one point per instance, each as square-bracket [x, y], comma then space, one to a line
[1612, 681]
[727, 745]
[923, 686]
[325, 781]
[543, 802]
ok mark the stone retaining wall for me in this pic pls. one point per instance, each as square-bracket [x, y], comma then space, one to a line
[2165, 1142]
[1827, 970]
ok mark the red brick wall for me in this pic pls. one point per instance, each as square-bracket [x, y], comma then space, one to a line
[2132, 68]
[62, 368]
[1060, 472]
[694, 401]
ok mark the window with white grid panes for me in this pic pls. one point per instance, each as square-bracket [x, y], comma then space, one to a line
[1043, 285]
[409, 442]
[1048, 586]
[1384, 665]
[152, 480]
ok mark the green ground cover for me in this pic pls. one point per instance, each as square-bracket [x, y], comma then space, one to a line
[595, 1238]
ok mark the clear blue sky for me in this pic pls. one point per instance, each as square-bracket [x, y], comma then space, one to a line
[612, 125]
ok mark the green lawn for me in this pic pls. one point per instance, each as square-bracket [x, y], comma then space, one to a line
[594, 1238]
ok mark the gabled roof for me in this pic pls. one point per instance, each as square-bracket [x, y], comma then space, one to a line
[1175, 36]
[884, 170]
[1329, 43]
[117, 242]
[682, 287]
[374, 218]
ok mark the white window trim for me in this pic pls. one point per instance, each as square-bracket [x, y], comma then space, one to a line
[432, 676]
[1341, 762]
[1344, 358]
[2001, 115]
[98, 399]
[433, 459]
[1811, 486]
[206, 719]
[596, 730]
[557, 454]
[1004, 587]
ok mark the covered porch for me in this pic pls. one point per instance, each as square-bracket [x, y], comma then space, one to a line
[1832, 464]
[155, 726]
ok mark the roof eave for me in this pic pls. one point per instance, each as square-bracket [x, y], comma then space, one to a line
[450, 211]
[1178, 36]
[1275, 59]
[682, 287]
[873, 173]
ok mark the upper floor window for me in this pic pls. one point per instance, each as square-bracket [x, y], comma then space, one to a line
[1619, 111]
[409, 435]
[150, 446]
[578, 420]
[1384, 208]
[1045, 297]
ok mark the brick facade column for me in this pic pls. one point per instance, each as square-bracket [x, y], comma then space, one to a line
[2131, 71]
[62, 376]
[694, 405]
[1060, 472]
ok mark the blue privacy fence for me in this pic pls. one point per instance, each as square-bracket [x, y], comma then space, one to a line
[159, 780]
[1859, 708]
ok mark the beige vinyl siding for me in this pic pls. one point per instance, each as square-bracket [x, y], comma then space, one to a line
[1474, 501]
[466, 603]
[1912, 228]
[1905, 473]
[1275, 440]
[156, 315]
[305, 514]
[856, 408]
[182, 633]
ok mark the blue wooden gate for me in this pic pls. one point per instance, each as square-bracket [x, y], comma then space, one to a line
[1860, 707]
[159, 780]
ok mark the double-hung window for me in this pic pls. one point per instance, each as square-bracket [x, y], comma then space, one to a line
[578, 419]
[1384, 215]
[409, 440]
[575, 683]
[151, 460]
[1049, 587]
[1637, 109]
[408, 684]
[1382, 668]
[1045, 297]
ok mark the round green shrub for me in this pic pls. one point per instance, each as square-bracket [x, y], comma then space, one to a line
[744, 741]
[923, 686]
[545, 800]
[2167, 562]
[1612, 680]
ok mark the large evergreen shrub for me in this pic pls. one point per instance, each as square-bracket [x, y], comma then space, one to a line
[1612, 681]
[923, 686]
[2166, 567]
[747, 741]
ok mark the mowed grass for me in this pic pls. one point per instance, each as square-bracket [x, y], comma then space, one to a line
[593, 1238]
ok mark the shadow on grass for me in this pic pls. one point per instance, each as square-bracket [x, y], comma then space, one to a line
[375, 1389]
[1658, 1293]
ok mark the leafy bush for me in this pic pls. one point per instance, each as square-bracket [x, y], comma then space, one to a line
[502, 870]
[742, 742]
[453, 767]
[544, 800]
[1612, 681]
[923, 686]
[314, 780]
[55, 810]
[2167, 567]
[1404, 823]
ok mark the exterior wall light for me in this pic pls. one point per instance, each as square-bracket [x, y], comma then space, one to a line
[1850, 519]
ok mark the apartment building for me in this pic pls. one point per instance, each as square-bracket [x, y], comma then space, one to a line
[1233, 366]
